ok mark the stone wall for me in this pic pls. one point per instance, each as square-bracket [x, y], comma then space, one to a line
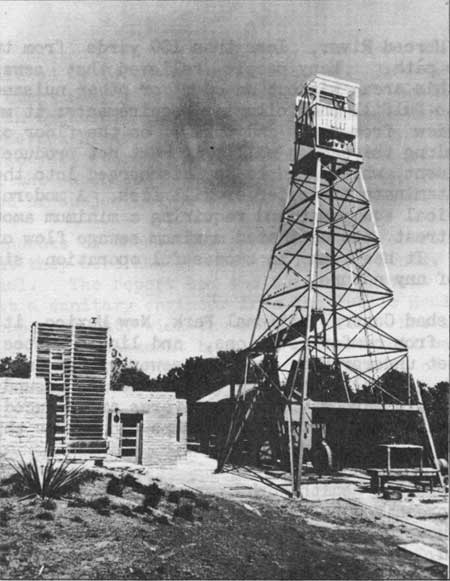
[159, 445]
[23, 419]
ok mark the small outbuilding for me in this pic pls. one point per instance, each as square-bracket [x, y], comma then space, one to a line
[146, 427]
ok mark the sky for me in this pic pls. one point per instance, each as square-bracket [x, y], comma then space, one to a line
[144, 157]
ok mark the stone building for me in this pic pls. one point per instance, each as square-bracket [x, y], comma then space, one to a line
[67, 408]
[146, 427]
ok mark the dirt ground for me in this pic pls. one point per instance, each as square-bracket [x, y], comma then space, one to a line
[239, 534]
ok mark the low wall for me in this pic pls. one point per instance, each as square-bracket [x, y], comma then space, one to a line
[23, 419]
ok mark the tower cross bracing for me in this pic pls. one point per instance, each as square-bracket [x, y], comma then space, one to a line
[326, 286]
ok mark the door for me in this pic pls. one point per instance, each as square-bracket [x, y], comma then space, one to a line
[131, 437]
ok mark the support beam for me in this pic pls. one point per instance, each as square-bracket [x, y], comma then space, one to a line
[308, 331]
[334, 405]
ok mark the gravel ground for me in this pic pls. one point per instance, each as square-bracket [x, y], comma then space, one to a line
[238, 534]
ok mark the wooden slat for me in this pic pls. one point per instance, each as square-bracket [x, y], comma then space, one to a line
[426, 551]
[85, 372]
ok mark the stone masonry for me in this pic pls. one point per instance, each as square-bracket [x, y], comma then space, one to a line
[161, 412]
[23, 419]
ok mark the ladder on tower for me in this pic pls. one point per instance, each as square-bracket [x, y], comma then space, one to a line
[58, 390]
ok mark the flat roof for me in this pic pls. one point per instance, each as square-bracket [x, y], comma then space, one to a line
[333, 85]
[223, 393]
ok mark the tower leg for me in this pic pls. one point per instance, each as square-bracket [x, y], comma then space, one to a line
[304, 393]
[428, 431]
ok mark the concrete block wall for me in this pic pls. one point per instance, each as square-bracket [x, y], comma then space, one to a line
[23, 419]
[159, 444]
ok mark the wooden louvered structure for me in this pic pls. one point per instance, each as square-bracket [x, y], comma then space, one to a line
[74, 360]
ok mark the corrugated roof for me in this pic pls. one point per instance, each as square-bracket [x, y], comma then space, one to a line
[223, 393]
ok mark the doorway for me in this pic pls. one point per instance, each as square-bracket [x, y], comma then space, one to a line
[131, 437]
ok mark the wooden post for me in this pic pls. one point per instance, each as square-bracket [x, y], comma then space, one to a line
[108, 364]
[291, 448]
[408, 379]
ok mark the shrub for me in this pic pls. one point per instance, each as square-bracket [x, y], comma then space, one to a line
[115, 486]
[203, 503]
[153, 495]
[174, 496]
[185, 510]
[130, 481]
[11, 485]
[52, 481]
[188, 494]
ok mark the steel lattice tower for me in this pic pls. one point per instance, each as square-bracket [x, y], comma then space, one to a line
[326, 285]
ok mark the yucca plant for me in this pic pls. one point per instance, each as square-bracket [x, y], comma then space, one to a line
[52, 481]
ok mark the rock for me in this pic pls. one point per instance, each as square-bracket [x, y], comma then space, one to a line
[393, 494]
[77, 501]
[123, 509]
[251, 509]
[161, 517]
[101, 504]
[152, 548]
[137, 572]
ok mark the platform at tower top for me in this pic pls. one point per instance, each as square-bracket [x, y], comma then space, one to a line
[332, 85]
